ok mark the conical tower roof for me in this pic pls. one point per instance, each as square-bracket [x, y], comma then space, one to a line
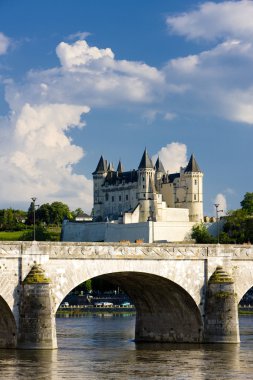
[120, 168]
[146, 162]
[159, 166]
[101, 166]
[192, 166]
[110, 167]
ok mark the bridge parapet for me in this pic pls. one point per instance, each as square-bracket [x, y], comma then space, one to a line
[162, 251]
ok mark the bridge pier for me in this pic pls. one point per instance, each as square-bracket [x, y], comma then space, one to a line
[221, 311]
[36, 321]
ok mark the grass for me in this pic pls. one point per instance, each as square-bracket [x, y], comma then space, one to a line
[11, 235]
[54, 232]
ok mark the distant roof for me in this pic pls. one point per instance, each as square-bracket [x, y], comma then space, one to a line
[192, 166]
[159, 165]
[101, 167]
[115, 177]
[146, 162]
[110, 167]
[120, 167]
[173, 176]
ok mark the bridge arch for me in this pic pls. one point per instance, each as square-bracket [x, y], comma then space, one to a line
[8, 328]
[243, 276]
[165, 312]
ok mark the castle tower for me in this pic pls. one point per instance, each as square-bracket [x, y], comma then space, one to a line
[193, 177]
[120, 168]
[98, 180]
[146, 188]
[159, 173]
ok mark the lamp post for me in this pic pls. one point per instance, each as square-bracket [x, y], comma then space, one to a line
[217, 221]
[34, 200]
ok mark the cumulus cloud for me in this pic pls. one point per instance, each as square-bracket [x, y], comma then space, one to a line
[220, 200]
[4, 43]
[216, 81]
[80, 54]
[224, 20]
[173, 156]
[37, 157]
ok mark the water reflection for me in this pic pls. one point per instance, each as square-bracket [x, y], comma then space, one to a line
[103, 348]
[28, 364]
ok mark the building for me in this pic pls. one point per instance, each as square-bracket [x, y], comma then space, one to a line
[148, 193]
[147, 204]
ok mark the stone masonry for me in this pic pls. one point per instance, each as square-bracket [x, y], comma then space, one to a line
[171, 286]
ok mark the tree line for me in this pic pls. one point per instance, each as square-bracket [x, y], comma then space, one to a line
[237, 226]
[45, 215]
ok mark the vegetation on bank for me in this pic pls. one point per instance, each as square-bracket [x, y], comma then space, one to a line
[19, 224]
[42, 234]
[237, 226]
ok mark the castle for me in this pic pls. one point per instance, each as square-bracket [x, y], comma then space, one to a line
[148, 193]
[146, 204]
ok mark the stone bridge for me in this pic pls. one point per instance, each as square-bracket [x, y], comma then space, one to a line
[182, 293]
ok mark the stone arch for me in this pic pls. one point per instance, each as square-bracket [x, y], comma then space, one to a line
[165, 312]
[67, 275]
[8, 328]
[243, 276]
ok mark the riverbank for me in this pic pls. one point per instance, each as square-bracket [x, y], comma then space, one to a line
[80, 310]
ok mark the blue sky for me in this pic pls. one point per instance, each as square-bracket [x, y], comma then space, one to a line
[83, 78]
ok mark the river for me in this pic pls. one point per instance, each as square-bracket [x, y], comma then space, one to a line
[101, 347]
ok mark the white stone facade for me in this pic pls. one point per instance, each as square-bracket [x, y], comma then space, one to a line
[148, 193]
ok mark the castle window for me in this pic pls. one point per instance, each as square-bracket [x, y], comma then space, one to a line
[126, 197]
[143, 178]
[195, 197]
[112, 198]
[143, 186]
[106, 196]
[119, 198]
[195, 182]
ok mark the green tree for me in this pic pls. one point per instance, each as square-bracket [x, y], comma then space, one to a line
[30, 214]
[41, 234]
[9, 221]
[247, 203]
[77, 212]
[59, 211]
[43, 214]
[201, 235]
[238, 225]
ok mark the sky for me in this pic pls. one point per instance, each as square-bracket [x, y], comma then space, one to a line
[88, 77]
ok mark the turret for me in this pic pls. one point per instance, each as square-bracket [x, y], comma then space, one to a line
[146, 188]
[98, 180]
[120, 168]
[159, 173]
[194, 190]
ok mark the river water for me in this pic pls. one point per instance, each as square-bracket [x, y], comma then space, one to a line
[102, 347]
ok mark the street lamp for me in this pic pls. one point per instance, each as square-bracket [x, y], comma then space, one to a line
[34, 200]
[217, 221]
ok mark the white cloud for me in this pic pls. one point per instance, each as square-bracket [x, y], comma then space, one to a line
[37, 157]
[211, 20]
[169, 116]
[219, 82]
[221, 201]
[173, 156]
[4, 43]
[79, 35]
[80, 54]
